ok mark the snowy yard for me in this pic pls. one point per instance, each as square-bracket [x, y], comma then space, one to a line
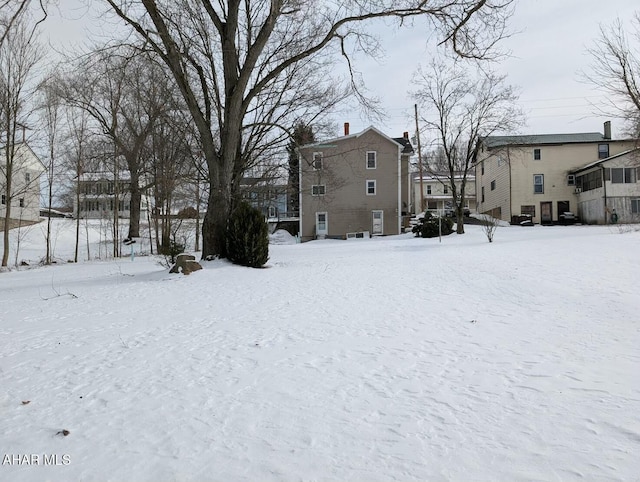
[377, 360]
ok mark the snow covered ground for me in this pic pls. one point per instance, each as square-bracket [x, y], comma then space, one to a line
[386, 359]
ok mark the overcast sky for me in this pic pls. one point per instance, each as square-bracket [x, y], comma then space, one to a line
[548, 51]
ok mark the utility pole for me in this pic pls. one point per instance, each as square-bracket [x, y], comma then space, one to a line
[415, 106]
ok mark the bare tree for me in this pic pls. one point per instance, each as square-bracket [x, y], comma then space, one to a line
[463, 108]
[19, 55]
[125, 92]
[50, 120]
[616, 70]
[241, 66]
[13, 13]
[76, 153]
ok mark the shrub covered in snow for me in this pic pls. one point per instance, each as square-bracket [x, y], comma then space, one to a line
[248, 237]
[428, 227]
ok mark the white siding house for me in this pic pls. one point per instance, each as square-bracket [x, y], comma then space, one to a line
[25, 185]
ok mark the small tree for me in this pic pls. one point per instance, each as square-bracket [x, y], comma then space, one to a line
[248, 237]
[463, 107]
[489, 226]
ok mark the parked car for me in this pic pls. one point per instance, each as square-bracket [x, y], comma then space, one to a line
[567, 218]
[451, 213]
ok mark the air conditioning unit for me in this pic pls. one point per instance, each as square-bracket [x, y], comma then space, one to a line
[578, 190]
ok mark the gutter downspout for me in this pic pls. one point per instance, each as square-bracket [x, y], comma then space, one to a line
[604, 186]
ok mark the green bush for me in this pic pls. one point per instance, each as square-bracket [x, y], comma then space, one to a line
[247, 237]
[427, 227]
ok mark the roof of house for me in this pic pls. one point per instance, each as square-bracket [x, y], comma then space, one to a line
[600, 161]
[401, 141]
[542, 139]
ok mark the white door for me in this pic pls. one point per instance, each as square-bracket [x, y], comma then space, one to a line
[322, 226]
[378, 223]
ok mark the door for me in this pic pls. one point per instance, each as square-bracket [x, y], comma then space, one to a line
[563, 207]
[545, 213]
[322, 226]
[377, 224]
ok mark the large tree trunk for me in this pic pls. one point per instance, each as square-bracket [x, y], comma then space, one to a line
[459, 219]
[134, 206]
[214, 224]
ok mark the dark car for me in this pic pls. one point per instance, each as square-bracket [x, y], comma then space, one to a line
[567, 218]
[451, 213]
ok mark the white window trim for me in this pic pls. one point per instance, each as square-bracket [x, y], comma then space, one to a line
[375, 160]
[538, 184]
[571, 180]
[318, 193]
[375, 187]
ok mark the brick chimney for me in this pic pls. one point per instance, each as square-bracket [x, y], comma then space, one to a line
[405, 135]
[346, 128]
[607, 130]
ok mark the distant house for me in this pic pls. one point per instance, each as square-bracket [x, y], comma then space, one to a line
[25, 186]
[354, 186]
[436, 194]
[609, 186]
[102, 193]
[535, 175]
[269, 195]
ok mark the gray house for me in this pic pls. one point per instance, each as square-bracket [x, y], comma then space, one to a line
[354, 186]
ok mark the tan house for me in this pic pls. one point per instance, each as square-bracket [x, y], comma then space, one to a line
[354, 186]
[534, 175]
[25, 186]
[608, 190]
[436, 194]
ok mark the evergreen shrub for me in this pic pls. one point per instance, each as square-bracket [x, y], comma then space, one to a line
[427, 226]
[247, 237]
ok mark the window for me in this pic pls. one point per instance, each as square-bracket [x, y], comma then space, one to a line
[317, 161]
[318, 190]
[432, 205]
[272, 212]
[428, 188]
[621, 175]
[482, 168]
[571, 180]
[21, 202]
[27, 178]
[537, 154]
[371, 159]
[592, 180]
[528, 210]
[4, 199]
[603, 151]
[635, 206]
[371, 188]
[446, 189]
[538, 183]
[493, 185]
[482, 194]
